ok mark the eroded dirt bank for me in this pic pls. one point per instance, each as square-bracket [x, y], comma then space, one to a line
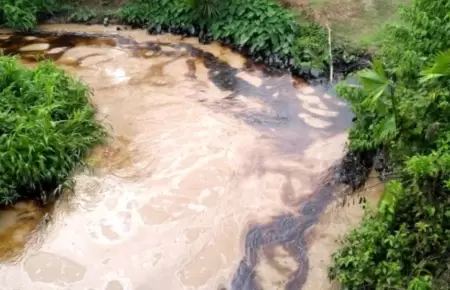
[210, 180]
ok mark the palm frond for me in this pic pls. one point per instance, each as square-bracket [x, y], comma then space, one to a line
[440, 68]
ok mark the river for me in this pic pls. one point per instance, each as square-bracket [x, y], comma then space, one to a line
[216, 175]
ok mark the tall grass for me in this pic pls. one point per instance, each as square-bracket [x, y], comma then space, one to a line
[47, 126]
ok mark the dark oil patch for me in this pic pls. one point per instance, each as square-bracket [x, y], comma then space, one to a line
[289, 231]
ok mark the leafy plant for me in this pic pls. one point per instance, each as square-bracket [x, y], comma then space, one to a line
[82, 14]
[440, 68]
[47, 127]
[380, 98]
[208, 9]
[22, 14]
[152, 12]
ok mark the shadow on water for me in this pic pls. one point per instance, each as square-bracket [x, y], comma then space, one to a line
[285, 112]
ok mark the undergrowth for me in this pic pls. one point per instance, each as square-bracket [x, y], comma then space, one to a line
[81, 14]
[46, 128]
[24, 14]
[403, 108]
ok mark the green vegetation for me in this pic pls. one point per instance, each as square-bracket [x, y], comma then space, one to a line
[403, 109]
[260, 28]
[360, 22]
[46, 128]
[82, 14]
[84, 11]
[24, 14]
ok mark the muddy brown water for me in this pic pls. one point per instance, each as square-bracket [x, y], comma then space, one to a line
[215, 178]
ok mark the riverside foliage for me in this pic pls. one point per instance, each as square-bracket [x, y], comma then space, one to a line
[261, 29]
[403, 108]
[24, 14]
[46, 128]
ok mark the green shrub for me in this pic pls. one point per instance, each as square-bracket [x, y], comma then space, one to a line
[403, 106]
[208, 9]
[82, 14]
[23, 14]
[165, 12]
[46, 128]
[263, 26]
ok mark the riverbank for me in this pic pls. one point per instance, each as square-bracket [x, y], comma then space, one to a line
[402, 110]
[284, 39]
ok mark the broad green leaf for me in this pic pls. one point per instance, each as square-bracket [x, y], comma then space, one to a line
[386, 130]
[440, 68]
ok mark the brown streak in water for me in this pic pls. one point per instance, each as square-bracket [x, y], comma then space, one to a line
[18, 222]
[191, 67]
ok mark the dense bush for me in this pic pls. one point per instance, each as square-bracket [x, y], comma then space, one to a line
[23, 14]
[266, 30]
[46, 128]
[403, 108]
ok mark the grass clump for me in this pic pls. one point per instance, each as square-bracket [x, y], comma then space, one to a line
[403, 108]
[47, 127]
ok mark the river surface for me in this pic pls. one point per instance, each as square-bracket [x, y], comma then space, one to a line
[216, 176]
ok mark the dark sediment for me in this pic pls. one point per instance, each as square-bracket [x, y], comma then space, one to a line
[355, 168]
